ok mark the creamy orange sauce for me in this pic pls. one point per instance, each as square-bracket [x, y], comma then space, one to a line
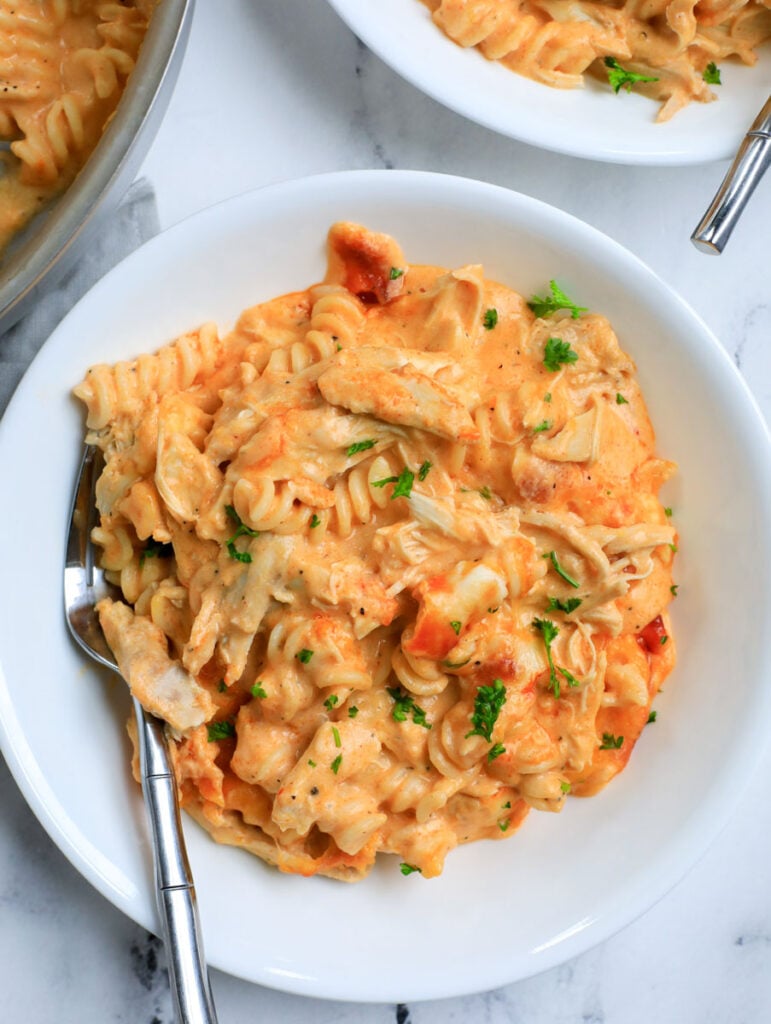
[63, 67]
[415, 570]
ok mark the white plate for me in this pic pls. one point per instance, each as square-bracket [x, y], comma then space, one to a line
[590, 122]
[501, 911]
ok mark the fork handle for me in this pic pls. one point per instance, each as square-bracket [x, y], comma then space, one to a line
[174, 889]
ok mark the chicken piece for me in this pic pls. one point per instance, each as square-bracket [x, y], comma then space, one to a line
[401, 395]
[369, 265]
[161, 685]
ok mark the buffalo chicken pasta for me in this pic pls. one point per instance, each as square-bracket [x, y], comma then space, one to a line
[671, 50]
[392, 561]
[63, 67]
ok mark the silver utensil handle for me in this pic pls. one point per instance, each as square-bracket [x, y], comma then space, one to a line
[175, 893]
[749, 166]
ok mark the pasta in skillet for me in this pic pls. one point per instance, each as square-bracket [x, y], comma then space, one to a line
[668, 49]
[63, 67]
[392, 561]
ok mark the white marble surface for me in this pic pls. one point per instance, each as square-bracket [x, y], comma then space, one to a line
[275, 90]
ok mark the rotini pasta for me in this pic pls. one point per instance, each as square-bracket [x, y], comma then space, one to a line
[668, 49]
[63, 67]
[392, 561]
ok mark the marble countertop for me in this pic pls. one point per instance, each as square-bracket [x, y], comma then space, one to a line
[271, 91]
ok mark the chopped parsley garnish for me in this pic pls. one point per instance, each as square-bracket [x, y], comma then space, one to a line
[331, 700]
[504, 825]
[664, 639]
[311, 763]
[315, 521]
[711, 74]
[620, 400]
[335, 766]
[403, 481]
[490, 318]
[405, 705]
[486, 493]
[353, 711]
[673, 589]
[492, 611]
[396, 272]
[673, 548]
[336, 736]
[456, 626]
[668, 512]
[620, 78]
[487, 706]
[556, 352]
[552, 556]
[154, 549]
[543, 306]
[543, 425]
[408, 869]
[424, 470]
[549, 632]
[456, 664]
[495, 751]
[304, 655]
[611, 742]
[360, 446]
[652, 717]
[220, 731]
[556, 604]
[565, 786]
[258, 691]
[547, 397]
[507, 805]
[222, 686]
[241, 531]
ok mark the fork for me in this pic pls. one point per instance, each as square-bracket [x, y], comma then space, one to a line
[84, 586]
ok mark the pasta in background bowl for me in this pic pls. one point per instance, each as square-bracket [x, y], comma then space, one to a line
[585, 120]
[563, 882]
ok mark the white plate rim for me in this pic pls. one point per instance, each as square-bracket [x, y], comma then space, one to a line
[567, 121]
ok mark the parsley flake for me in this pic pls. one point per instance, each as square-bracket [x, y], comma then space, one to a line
[315, 521]
[242, 530]
[487, 707]
[652, 717]
[549, 632]
[490, 318]
[619, 78]
[556, 604]
[711, 74]
[353, 711]
[335, 766]
[486, 493]
[504, 825]
[222, 686]
[220, 731]
[396, 272]
[611, 742]
[552, 556]
[556, 352]
[456, 626]
[565, 786]
[360, 446]
[258, 691]
[495, 751]
[424, 470]
[331, 700]
[408, 869]
[543, 306]
[543, 425]
[405, 705]
[304, 656]
[403, 481]
[620, 400]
